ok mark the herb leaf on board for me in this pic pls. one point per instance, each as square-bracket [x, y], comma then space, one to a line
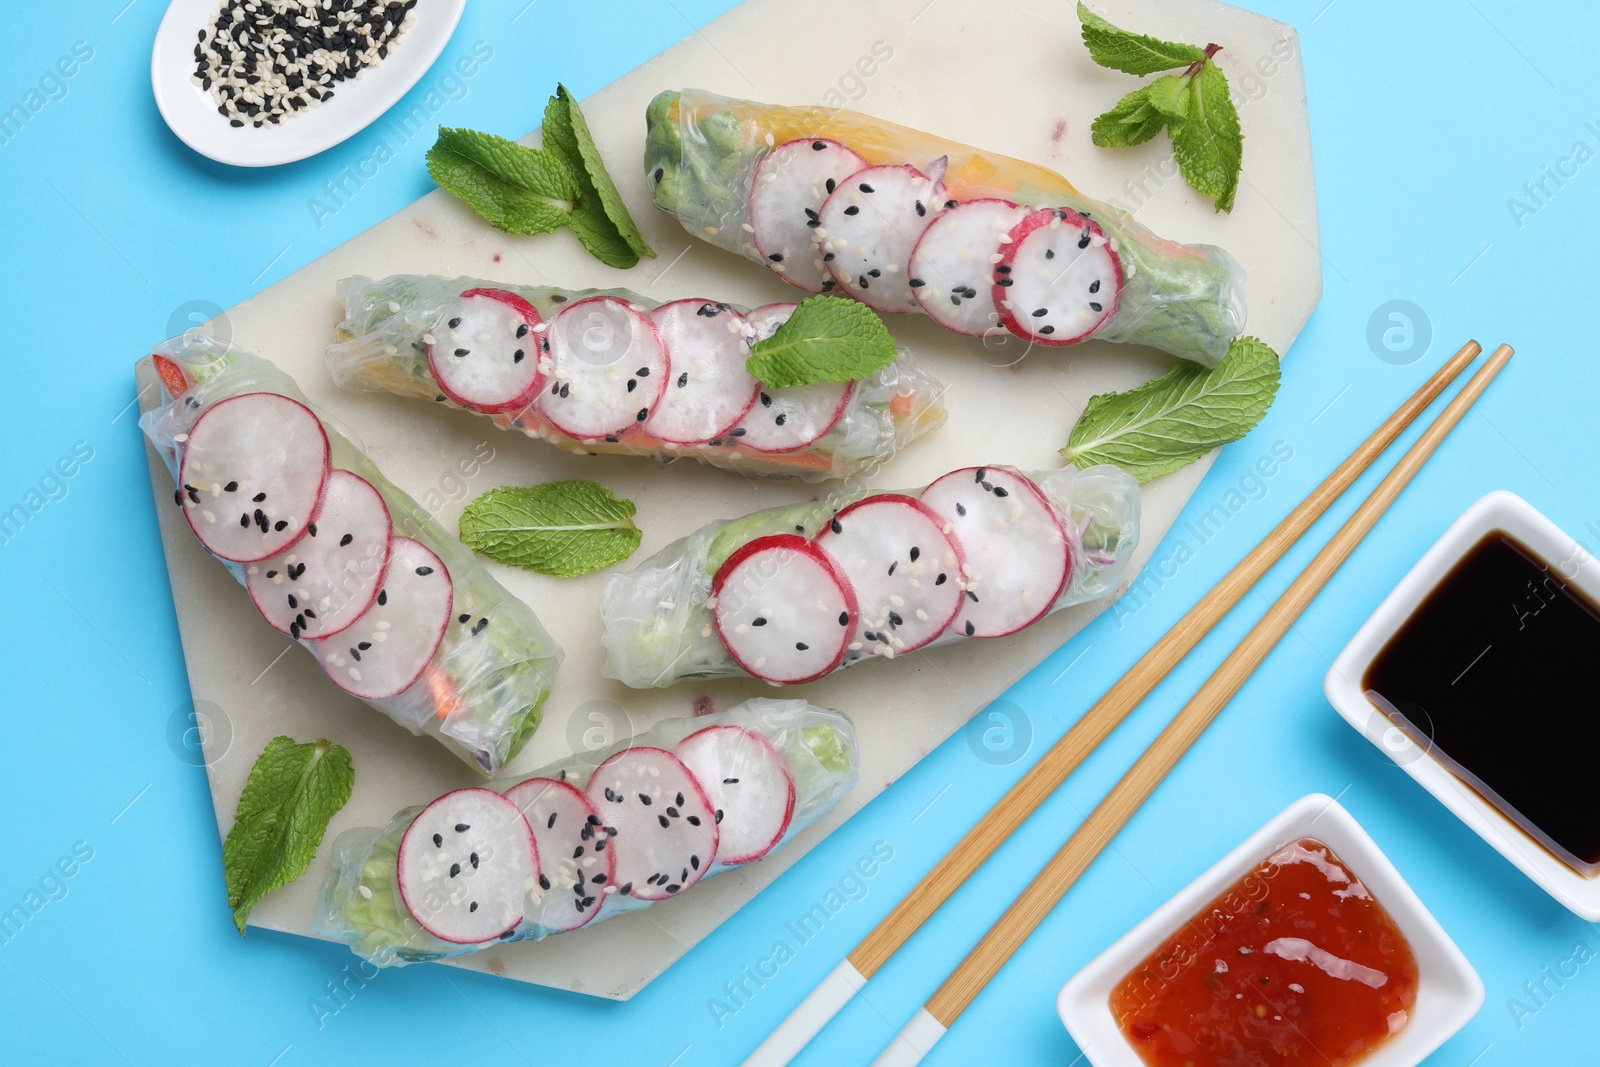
[564, 529]
[1173, 420]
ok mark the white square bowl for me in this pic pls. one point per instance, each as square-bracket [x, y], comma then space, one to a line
[1498, 511]
[1449, 992]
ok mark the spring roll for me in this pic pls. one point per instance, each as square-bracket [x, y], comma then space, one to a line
[837, 201]
[793, 593]
[610, 371]
[592, 837]
[395, 611]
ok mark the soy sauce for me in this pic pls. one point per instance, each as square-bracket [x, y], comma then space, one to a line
[1496, 675]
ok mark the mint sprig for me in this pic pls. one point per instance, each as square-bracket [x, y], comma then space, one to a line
[1195, 106]
[563, 529]
[531, 191]
[1175, 419]
[827, 339]
[292, 792]
[601, 219]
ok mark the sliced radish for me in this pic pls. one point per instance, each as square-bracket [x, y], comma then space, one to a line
[787, 420]
[710, 390]
[666, 829]
[323, 582]
[607, 368]
[749, 786]
[484, 355]
[252, 471]
[765, 320]
[575, 866]
[391, 643]
[790, 184]
[905, 572]
[952, 266]
[783, 610]
[1016, 555]
[466, 865]
[870, 223]
[1058, 281]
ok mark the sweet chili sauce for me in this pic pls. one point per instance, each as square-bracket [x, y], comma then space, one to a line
[1492, 676]
[1295, 964]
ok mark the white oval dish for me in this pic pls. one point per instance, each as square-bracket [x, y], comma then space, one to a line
[1497, 511]
[1449, 992]
[191, 113]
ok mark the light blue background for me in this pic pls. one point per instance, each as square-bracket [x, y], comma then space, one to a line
[1425, 120]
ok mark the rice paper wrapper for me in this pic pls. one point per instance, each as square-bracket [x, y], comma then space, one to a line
[361, 902]
[658, 617]
[702, 151]
[483, 692]
[382, 347]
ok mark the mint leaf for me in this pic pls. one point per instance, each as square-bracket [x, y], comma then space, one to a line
[827, 339]
[500, 203]
[566, 134]
[560, 528]
[1172, 421]
[530, 191]
[291, 793]
[1170, 96]
[1132, 53]
[1133, 121]
[526, 168]
[1208, 143]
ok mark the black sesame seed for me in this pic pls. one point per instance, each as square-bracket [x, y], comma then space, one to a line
[1047, 329]
[776, 257]
[454, 323]
[644, 413]
[852, 210]
[916, 283]
[383, 597]
[844, 618]
[438, 839]
[970, 628]
[1094, 305]
[1094, 286]
[423, 572]
[920, 209]
[828, 185]
[941, 579]
[346, 539]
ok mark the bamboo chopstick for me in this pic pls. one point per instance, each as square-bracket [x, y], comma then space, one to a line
[1135, 787]
[836, 990]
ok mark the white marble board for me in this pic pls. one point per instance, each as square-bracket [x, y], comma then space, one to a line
[1013, 79]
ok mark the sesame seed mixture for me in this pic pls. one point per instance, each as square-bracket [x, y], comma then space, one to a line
[263, 61]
